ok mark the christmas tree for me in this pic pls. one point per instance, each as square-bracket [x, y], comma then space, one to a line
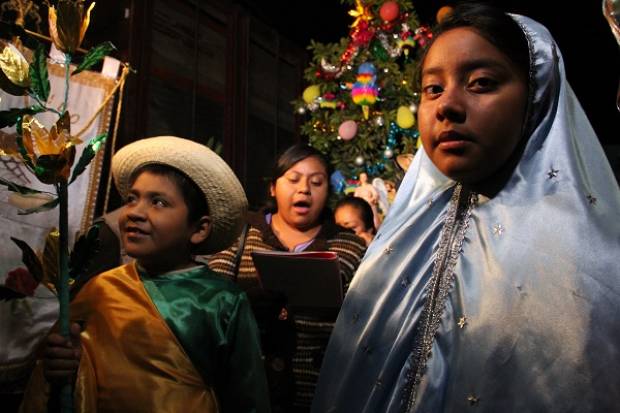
[361, 100]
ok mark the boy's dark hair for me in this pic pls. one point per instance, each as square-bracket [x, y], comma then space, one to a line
[492, 23]
[362, 206]
[193, 196]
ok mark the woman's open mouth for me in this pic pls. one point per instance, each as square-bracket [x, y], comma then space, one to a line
[301, 207]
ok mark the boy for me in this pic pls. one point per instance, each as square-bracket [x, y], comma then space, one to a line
[164, 334]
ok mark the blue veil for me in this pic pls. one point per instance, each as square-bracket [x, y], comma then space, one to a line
[503, 304]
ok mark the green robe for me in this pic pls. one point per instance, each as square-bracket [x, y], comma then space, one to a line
[182, 341]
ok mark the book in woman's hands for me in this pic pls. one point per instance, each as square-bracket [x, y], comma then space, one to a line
[308, 279]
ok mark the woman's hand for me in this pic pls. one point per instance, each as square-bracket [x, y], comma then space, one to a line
[62, 356]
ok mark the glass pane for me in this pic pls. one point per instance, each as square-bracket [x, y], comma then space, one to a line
[187, 79]
[173, 41]
[262, 82]
[260, 156]
[288, 81]
[169, 109]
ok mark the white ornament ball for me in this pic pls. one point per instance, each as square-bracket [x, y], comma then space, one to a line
[388, 153]
[359, 161]
[413, 108]
[379, 121]
[313, 106]
[301, 110]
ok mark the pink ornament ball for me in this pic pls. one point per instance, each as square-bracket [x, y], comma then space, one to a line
[389, 11]
[347, 130]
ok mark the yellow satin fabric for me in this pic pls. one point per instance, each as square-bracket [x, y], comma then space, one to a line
[131, 361]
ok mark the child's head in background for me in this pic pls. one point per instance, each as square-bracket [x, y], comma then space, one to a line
[356, 214]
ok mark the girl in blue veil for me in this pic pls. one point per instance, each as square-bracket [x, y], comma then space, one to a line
[493, 285]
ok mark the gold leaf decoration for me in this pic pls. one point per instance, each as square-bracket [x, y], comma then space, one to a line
[49, 259]
[14, 71]
[8, 144]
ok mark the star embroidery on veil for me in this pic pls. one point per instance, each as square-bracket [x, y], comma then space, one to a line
[473, 400]
[553, 173]
[591, 199]
[498, 229]
[462, 322]
[388, 250]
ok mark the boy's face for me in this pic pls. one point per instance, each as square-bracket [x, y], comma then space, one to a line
[472, 108]
[154, 224]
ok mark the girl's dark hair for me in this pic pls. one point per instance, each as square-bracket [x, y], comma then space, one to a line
[497, 27]
[192, 194]
[294, 154]
[362, 206]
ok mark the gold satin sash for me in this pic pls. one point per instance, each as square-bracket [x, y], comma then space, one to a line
[131, 361]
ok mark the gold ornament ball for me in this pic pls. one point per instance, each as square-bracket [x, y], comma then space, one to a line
[443, 12]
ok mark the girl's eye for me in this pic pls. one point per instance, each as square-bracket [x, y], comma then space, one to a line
[292, 177]
[482, 84]
[158, 202]
[130, 199]
[432, 90]
[317, 182]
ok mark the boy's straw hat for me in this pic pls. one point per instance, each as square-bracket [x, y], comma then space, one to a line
[225, 196]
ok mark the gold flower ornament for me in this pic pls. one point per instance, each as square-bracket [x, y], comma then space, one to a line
[51, 153]
[68, 24]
